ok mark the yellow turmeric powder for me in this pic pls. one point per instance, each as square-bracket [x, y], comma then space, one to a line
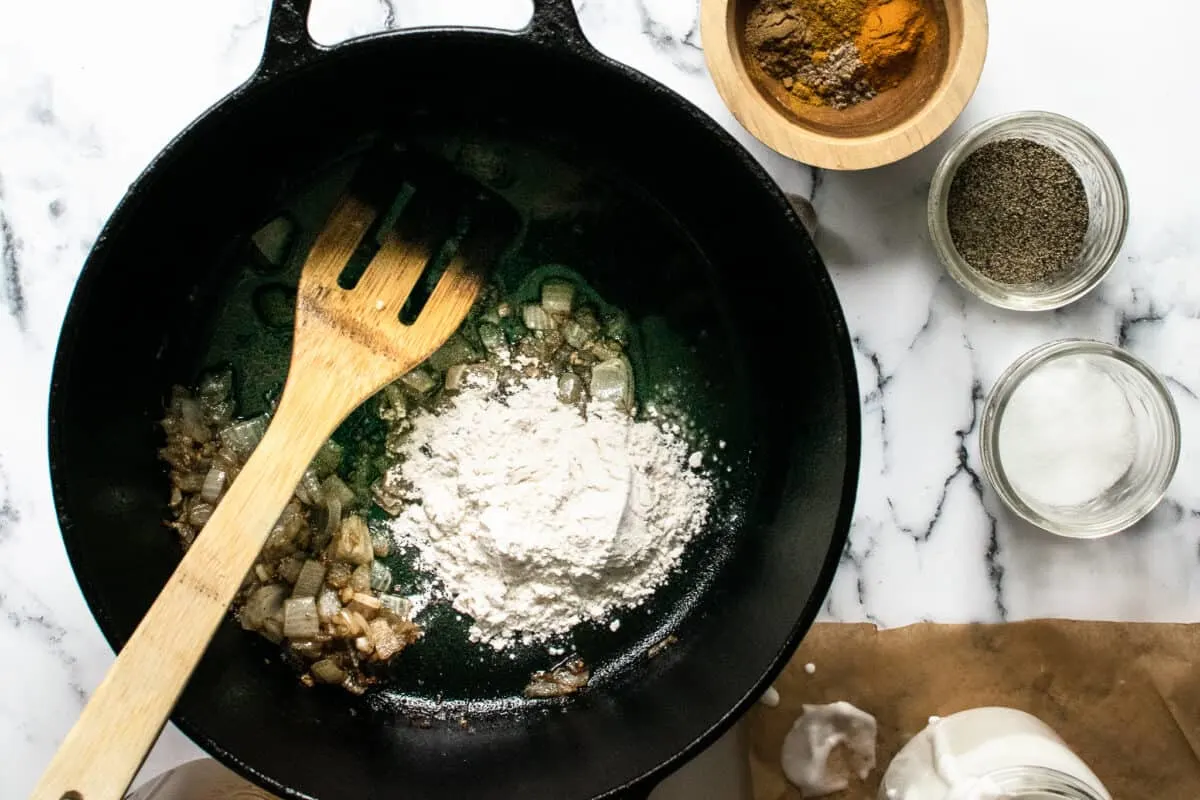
[892, 31]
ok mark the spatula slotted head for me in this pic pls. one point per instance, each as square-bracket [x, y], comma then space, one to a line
[398, 265]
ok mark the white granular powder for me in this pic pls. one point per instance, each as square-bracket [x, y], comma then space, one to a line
[1067, 435]
[536, 516]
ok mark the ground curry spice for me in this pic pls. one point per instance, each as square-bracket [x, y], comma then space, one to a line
[891, 33]
[836, 52]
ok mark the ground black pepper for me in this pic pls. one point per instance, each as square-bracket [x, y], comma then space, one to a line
[1018, 211]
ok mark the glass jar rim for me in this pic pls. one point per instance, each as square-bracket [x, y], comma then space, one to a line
[1002, 390]
[1040, 783]
[967, 276]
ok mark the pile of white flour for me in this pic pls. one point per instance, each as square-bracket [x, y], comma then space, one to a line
[536, 516]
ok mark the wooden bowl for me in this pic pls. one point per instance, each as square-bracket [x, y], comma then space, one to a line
[894, 124]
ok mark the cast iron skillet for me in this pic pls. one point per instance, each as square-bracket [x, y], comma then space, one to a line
[701, 238]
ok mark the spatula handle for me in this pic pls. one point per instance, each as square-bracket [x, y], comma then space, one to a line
[105, 748]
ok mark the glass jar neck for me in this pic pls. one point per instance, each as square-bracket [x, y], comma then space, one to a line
[1038, 783]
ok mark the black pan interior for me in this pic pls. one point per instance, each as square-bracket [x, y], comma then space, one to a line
[580, 217]
[674, 225]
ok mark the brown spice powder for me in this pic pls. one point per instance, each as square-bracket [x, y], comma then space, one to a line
[836, 52]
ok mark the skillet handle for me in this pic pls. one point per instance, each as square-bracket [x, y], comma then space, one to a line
[555, 22]
[289, 44]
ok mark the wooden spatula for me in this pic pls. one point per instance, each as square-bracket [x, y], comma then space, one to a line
[348, 345]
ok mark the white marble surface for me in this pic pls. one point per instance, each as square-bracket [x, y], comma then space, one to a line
[90, 91]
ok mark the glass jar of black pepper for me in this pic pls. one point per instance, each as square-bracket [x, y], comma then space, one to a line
[1028, 211]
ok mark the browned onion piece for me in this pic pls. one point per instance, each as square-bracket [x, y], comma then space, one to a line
[327, 671]
[563, 680]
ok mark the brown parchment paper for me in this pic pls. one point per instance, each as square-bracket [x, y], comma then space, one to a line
[1125, 697]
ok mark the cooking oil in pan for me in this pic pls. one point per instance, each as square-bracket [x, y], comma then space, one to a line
[587, 223]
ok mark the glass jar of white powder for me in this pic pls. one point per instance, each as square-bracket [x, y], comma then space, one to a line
[989, 754]
[1080, 438]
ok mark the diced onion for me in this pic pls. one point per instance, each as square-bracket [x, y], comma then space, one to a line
[199, 514]
[574, 675]
[328, 605]
[392, 404]
[381, 577]
[327, 459]
[338, 576]
[353, 542]
[570, 387]
[327, 671]
[345, 621]
[365, 604]
[242, 437]
[419, 380]
[333, 486]
[492, 338]
[191, 419]
[612, 381]
[213, 393]
[289, 569]
[541, 688]
[557, 297]
[605, 349]
[577, 334]
[536, 318]
[300, 619]
[618, 329]
[310, 579]
[215, 385]
[566, 679]
[360, 580]
[308, 648]
[387, 643]
[480, 376]
[457, 350]
[309, 490]
[273, 630]
[282, 538]
[189, 482]
[214, 484]
[333, 507]
[454, 377]
[382, 544]
[395, 604]
[264, 602]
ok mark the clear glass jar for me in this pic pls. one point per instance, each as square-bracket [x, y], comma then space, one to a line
[1156, 435]
[986, 754]
[1037, 783]
[1108, 204]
